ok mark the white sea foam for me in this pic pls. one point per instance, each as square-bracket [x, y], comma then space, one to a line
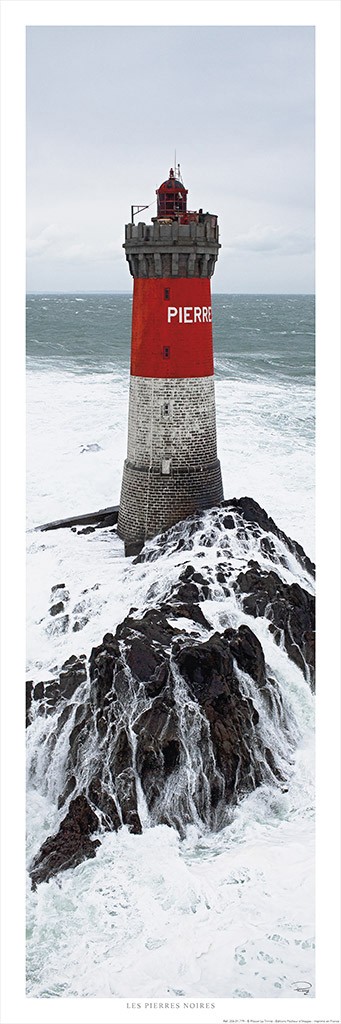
[242, 914]
[227, 914]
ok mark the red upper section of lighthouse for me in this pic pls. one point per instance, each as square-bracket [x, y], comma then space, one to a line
[172, 328]
[172, 199]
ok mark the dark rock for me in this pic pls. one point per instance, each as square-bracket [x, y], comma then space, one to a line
[62, 718]
[101, 666]
[187, 593]
[267, 546]
[73, 673]
[70, 662]
[70, 845]
[121, 758]
[248, 652]
[185, 611]
[52, 691]
[109, 637]
[152, 625]
[126, 792]
[69, 788]
[187, 573]
[38, 691]
[29, 695]
[209, 671]
[158, 681]
[255, 515]
[221, 577]
[57, 608]
[99, 795]
[291, 611]
[79, 624]
[142, 658]
[197, 589]
[46, 691]
[158, 745]
[229, 523]
[183, 717]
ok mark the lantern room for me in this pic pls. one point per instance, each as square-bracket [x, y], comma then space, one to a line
[171, 199]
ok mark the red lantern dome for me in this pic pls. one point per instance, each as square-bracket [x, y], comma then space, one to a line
[171, 198]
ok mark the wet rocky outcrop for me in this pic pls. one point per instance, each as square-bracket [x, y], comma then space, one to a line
[255, 516]
[48, 694]
[172, 719]
[70, 846]
[242, 516]
[290, 609]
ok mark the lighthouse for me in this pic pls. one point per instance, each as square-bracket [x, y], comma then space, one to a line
[171, 469]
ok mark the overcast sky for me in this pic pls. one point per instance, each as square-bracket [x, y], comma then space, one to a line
[107, 108]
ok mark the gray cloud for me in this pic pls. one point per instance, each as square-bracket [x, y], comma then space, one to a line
[67, 248]
[45, 239]
[106, 107]
[264, 238]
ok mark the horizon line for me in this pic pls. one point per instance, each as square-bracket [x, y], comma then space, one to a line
[105, 291]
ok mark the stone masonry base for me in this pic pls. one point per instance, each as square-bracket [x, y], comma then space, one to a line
[152, 502]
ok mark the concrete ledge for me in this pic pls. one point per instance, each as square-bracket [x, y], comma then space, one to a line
[104, 517]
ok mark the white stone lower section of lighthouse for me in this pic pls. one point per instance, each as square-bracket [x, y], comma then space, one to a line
[171, 464]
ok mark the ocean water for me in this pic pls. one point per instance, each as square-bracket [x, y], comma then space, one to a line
[227, 914]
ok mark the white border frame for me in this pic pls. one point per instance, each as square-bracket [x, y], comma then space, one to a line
[15, 16]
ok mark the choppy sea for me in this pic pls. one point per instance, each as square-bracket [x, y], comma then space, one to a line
[227, 914]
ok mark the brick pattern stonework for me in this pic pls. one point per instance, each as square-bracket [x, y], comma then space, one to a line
[171, 466]
[152, 502]
[171, 419]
